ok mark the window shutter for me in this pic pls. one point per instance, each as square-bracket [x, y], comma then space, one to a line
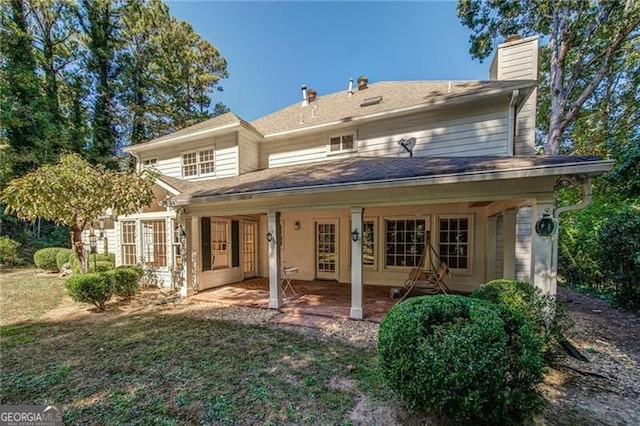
[235, 243]
[205, 233]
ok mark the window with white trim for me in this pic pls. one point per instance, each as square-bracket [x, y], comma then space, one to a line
[454, 241]
[154, 240]
[404, 241]
[128, 242]
[148, 163]
[177, 255]
[198, 163]
[219, 244]
[342, 143]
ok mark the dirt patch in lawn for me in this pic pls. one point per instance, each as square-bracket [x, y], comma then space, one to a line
[605, 390]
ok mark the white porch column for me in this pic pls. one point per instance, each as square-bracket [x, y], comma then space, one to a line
[185, 248]
[275, 265]
[356, 264]
[542, 274]
[509, 244]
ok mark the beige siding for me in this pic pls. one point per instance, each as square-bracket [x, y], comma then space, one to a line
[523, 244]
[499, 260]
[298, 247]
[478, 130]
[518, 60]
[226, 157]
[248, 152]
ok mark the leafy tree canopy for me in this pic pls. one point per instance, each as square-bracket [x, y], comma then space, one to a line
[75, 193]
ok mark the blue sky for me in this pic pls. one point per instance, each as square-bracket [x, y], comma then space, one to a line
[274, 47]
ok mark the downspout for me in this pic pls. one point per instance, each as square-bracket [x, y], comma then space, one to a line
[511, 137]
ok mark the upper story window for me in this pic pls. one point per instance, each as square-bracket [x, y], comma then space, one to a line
[151, 162]
[342, 143]
[199, 163]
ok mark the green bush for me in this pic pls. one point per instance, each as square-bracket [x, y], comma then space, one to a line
[9, 252]
[544, 311]
[101, 266]
[64, 256]
[464, 358]
[46, 258]
[99, 257]
[137, 268]
[126, 282]
[619, 239]
[92, 288]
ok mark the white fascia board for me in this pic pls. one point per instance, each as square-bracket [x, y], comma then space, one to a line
[164, 185]
[593, 168]
[183, 138]
[404, 110]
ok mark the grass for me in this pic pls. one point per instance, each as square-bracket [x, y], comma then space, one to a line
[161, 368]
[43, 291]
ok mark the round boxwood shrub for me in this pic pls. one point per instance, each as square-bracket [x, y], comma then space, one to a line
[126, 282]
[46, 258]
[101, 266]
[545, 311]
[464, 358]
[64, 256]
[92, 288]
[137, 268]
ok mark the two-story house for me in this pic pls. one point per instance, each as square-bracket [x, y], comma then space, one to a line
[351, 187]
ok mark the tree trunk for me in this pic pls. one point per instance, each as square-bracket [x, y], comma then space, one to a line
[76, 244]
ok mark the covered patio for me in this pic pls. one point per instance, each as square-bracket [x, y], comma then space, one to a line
[321, 298]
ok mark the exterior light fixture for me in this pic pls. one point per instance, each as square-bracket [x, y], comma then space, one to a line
[269, 236]
[546, 225]
[355, 235]
[296, 225]
[93, 241]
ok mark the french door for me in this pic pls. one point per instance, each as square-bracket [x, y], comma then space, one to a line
[327, 250]
[249, 233]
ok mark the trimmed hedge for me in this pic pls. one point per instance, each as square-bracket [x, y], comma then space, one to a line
[46, 258]
[464, 358]
[544, 311]
[95, 288]
[102, 264]
[137, 268]
[126, 282]
[64, 256]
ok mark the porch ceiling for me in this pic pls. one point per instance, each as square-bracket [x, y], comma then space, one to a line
[373, 178]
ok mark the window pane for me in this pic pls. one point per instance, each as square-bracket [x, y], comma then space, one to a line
[347, 142]
[406, 242]
[335, 144]
[219, 244]
[368, 243]
[453, 246]
[154, 237]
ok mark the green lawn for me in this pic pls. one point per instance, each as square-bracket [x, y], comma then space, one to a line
[162, 368]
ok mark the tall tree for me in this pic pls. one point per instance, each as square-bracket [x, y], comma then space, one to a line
[24, 115]
[100, 21]
[585, 40]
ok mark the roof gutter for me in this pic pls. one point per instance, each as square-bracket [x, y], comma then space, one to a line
[479, 176]
[400, 111]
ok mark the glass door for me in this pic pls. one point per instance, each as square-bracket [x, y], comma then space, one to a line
[249, 231]
[326, 250]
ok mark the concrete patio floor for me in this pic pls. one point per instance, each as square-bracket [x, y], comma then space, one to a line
[320, 298]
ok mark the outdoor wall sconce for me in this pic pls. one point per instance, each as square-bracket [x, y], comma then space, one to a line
[355, 235]
[296, 225]
[269, 236]
[546, 225]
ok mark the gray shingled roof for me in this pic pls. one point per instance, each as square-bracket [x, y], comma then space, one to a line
[359, 170]
[395, 95]
[219, 121]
